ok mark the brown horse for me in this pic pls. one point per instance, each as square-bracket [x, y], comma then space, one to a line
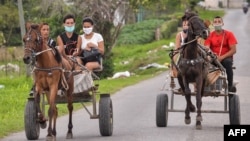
[192, 66]
[51, 72]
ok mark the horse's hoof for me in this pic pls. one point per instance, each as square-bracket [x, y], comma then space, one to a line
[199, 127]
[187, 120]
[199, 118]
[69, 136]
[43, 125]
[50, 138]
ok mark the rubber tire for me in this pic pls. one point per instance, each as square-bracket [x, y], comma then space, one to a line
[105, 115]
[234, 109]
[32, 127]
[162, 110]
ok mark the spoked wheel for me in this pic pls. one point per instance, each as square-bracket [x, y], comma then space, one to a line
[161, 110]
[32, 127]
[234, 109]
[105, 115]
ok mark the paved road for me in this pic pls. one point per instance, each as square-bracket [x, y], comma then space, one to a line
[134, 106]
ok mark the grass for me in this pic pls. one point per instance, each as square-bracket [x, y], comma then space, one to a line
[13, 96]
[132, 57]
[12, 100]
[211, 14]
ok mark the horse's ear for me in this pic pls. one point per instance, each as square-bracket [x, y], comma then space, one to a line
[27, 25]
[207, 23]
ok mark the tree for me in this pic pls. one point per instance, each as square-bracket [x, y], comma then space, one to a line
[21, 18]
[9, 21]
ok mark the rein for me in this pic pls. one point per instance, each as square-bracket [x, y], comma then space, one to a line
[179, 50]
[36, 68]
[38, 53]
[181, 47]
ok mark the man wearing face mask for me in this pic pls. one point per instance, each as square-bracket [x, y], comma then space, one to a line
[69, 42]
[223, 43]
[91, 40]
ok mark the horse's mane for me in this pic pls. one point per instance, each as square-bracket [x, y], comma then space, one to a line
[58, 56]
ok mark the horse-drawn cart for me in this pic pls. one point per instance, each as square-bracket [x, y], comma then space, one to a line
[85, 84]
[194, 65]
[218, 88]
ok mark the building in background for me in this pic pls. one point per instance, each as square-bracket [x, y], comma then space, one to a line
[224, 3]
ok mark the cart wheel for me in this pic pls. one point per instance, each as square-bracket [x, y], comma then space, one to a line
[234, 109]
[32, 128]
[105, 115]
[162, 110]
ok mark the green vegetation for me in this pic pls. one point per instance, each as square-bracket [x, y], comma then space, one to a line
[138, 34]
[16, 89]
[211, 14]
[12, 100]
[131, 57]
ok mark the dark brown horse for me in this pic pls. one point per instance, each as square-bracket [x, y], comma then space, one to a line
[192, 66]
[51, 72]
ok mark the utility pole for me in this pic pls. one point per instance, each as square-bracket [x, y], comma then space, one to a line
[21, 18]
[22, 27]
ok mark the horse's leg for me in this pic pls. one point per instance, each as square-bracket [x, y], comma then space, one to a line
[41, 117]
[70, 109]
[187, 93]
[191, 105]
[199, 103]
[54, 121]
[51, 113]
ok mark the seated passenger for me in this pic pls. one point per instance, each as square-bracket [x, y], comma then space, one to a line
[69, 42]
[91, 40]
[223, 43]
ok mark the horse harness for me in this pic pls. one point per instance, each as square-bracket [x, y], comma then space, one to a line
[183, 61]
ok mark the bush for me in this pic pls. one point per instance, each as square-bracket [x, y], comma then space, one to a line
[108, 68]
[139, 33]
[168, 28]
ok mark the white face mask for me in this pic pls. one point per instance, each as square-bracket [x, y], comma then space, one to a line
[87, 30]
[218, 27]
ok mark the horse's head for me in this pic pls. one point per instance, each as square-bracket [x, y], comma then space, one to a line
[197, 26]
[32, 43]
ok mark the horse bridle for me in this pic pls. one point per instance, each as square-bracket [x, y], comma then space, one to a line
[37, 50]
[38, 41]
[191, 30]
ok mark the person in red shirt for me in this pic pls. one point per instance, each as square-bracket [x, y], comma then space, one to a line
[223, 43]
